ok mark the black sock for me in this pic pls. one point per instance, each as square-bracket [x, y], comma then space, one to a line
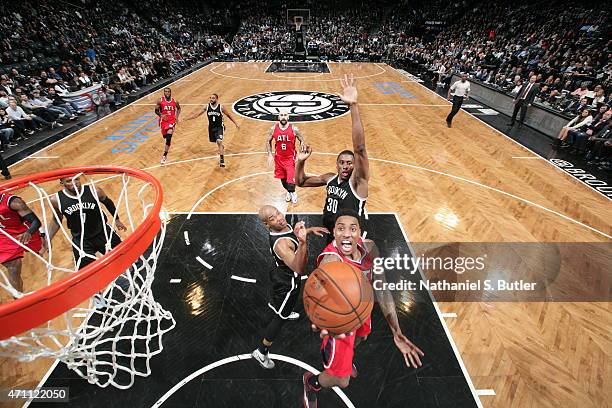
[263, 349]
[165, 154]
[221, 157]
[314, 381]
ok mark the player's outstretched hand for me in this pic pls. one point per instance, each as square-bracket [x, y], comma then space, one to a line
[318, 231]
[412, 354]
[349, 89]
[304, 153]
[300, 231]
[323, 333]
[121, 226]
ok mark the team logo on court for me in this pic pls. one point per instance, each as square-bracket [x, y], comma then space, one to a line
[302, 106]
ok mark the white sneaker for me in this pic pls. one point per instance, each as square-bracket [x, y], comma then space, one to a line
[263, 359]
[294, 199]
[163, 160]
[288, 197]
[294, 316]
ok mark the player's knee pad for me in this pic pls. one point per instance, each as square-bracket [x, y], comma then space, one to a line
[168, 137]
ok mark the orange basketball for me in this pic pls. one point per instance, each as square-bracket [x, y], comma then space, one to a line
[337, 297]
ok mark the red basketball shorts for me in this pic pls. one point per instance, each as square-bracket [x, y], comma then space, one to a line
[9, 250]
[284, 168]
[165, 126]
[338, 354]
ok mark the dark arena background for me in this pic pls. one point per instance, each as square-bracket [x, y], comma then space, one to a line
[469, 140]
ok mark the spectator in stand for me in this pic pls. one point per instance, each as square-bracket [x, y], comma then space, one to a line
[84, 81]
[41, 111]
[590, 134]
[59, 101]
[5, 86]
[579, 123]
[25, 123]
[127, 81]
[38, 100]
[101, 101]
[7, 134]
[42, 117]
[577, 106]
[582, 91]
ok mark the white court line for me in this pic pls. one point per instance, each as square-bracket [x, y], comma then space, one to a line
[186, 235]
[442, 321]
[448, 315]
[240, 278]
[232, 359]
[574, 180]
[106, 117]
[221, 186]
[175, 280]
[42, 157]
[485, 392]
[528, 157]
[382, 68]
[476, 183]
[79, 315]
[255, 212]
[203, 262]
[361, 104]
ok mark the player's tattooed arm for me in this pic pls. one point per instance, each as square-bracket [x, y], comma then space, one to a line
[230, 117]
[299, 136]
[301, 179]
[178, 111]
[269, 147]
[295, 258]
[412, 354]
[110, 206]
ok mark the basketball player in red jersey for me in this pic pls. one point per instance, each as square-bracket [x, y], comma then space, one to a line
[20, 223]
[337, 352]
[284, 135]
[168, 111]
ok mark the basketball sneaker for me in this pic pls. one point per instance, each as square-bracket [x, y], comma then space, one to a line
[163, 160]
[221, 163]
[294, 199]
[263, 359]
[309, 397]
[294, 316]
[288, 197]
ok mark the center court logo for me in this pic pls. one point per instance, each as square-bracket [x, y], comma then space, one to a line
[303, 106]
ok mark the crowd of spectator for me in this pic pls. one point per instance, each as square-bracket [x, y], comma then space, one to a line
[50, 49]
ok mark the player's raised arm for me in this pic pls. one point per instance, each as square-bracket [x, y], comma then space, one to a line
[230, 117]
[18, 205]
[301, 178]
[361, 171]
[295, 259]
[412, 354]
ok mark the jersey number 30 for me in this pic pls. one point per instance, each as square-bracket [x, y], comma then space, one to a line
[332, 205]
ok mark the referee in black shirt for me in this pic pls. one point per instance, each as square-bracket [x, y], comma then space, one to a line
[460, 91]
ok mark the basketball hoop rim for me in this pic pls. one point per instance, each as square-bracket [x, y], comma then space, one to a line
[36, 308]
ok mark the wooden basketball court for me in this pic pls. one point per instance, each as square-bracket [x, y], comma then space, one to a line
[466, 184]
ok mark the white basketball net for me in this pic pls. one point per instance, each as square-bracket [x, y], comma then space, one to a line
[111, 339]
